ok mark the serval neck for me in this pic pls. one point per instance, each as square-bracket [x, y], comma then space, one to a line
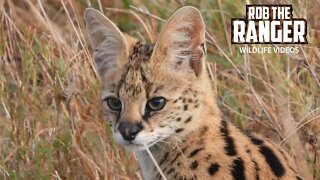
[208, 122]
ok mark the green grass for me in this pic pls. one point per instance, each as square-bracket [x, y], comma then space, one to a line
[51, 125]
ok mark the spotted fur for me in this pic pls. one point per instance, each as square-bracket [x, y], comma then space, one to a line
[187, 137]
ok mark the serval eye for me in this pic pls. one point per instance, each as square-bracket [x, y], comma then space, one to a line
[156, 104]
[114, 103]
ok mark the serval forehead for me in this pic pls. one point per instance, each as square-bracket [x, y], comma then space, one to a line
[135, 79]
[141, 53]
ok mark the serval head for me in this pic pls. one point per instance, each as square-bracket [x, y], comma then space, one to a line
[151, 93]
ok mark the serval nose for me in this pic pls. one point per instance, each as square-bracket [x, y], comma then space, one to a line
[129, 130]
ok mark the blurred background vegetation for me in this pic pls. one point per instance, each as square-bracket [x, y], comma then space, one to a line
[51, 125]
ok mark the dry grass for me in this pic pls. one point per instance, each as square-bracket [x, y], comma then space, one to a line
[51, 126]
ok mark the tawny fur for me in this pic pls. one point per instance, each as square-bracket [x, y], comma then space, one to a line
[187, 137]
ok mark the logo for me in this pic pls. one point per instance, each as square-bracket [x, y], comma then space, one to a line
[269, 24]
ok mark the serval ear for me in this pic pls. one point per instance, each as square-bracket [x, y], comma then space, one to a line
[107, 41]
[181, 42]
